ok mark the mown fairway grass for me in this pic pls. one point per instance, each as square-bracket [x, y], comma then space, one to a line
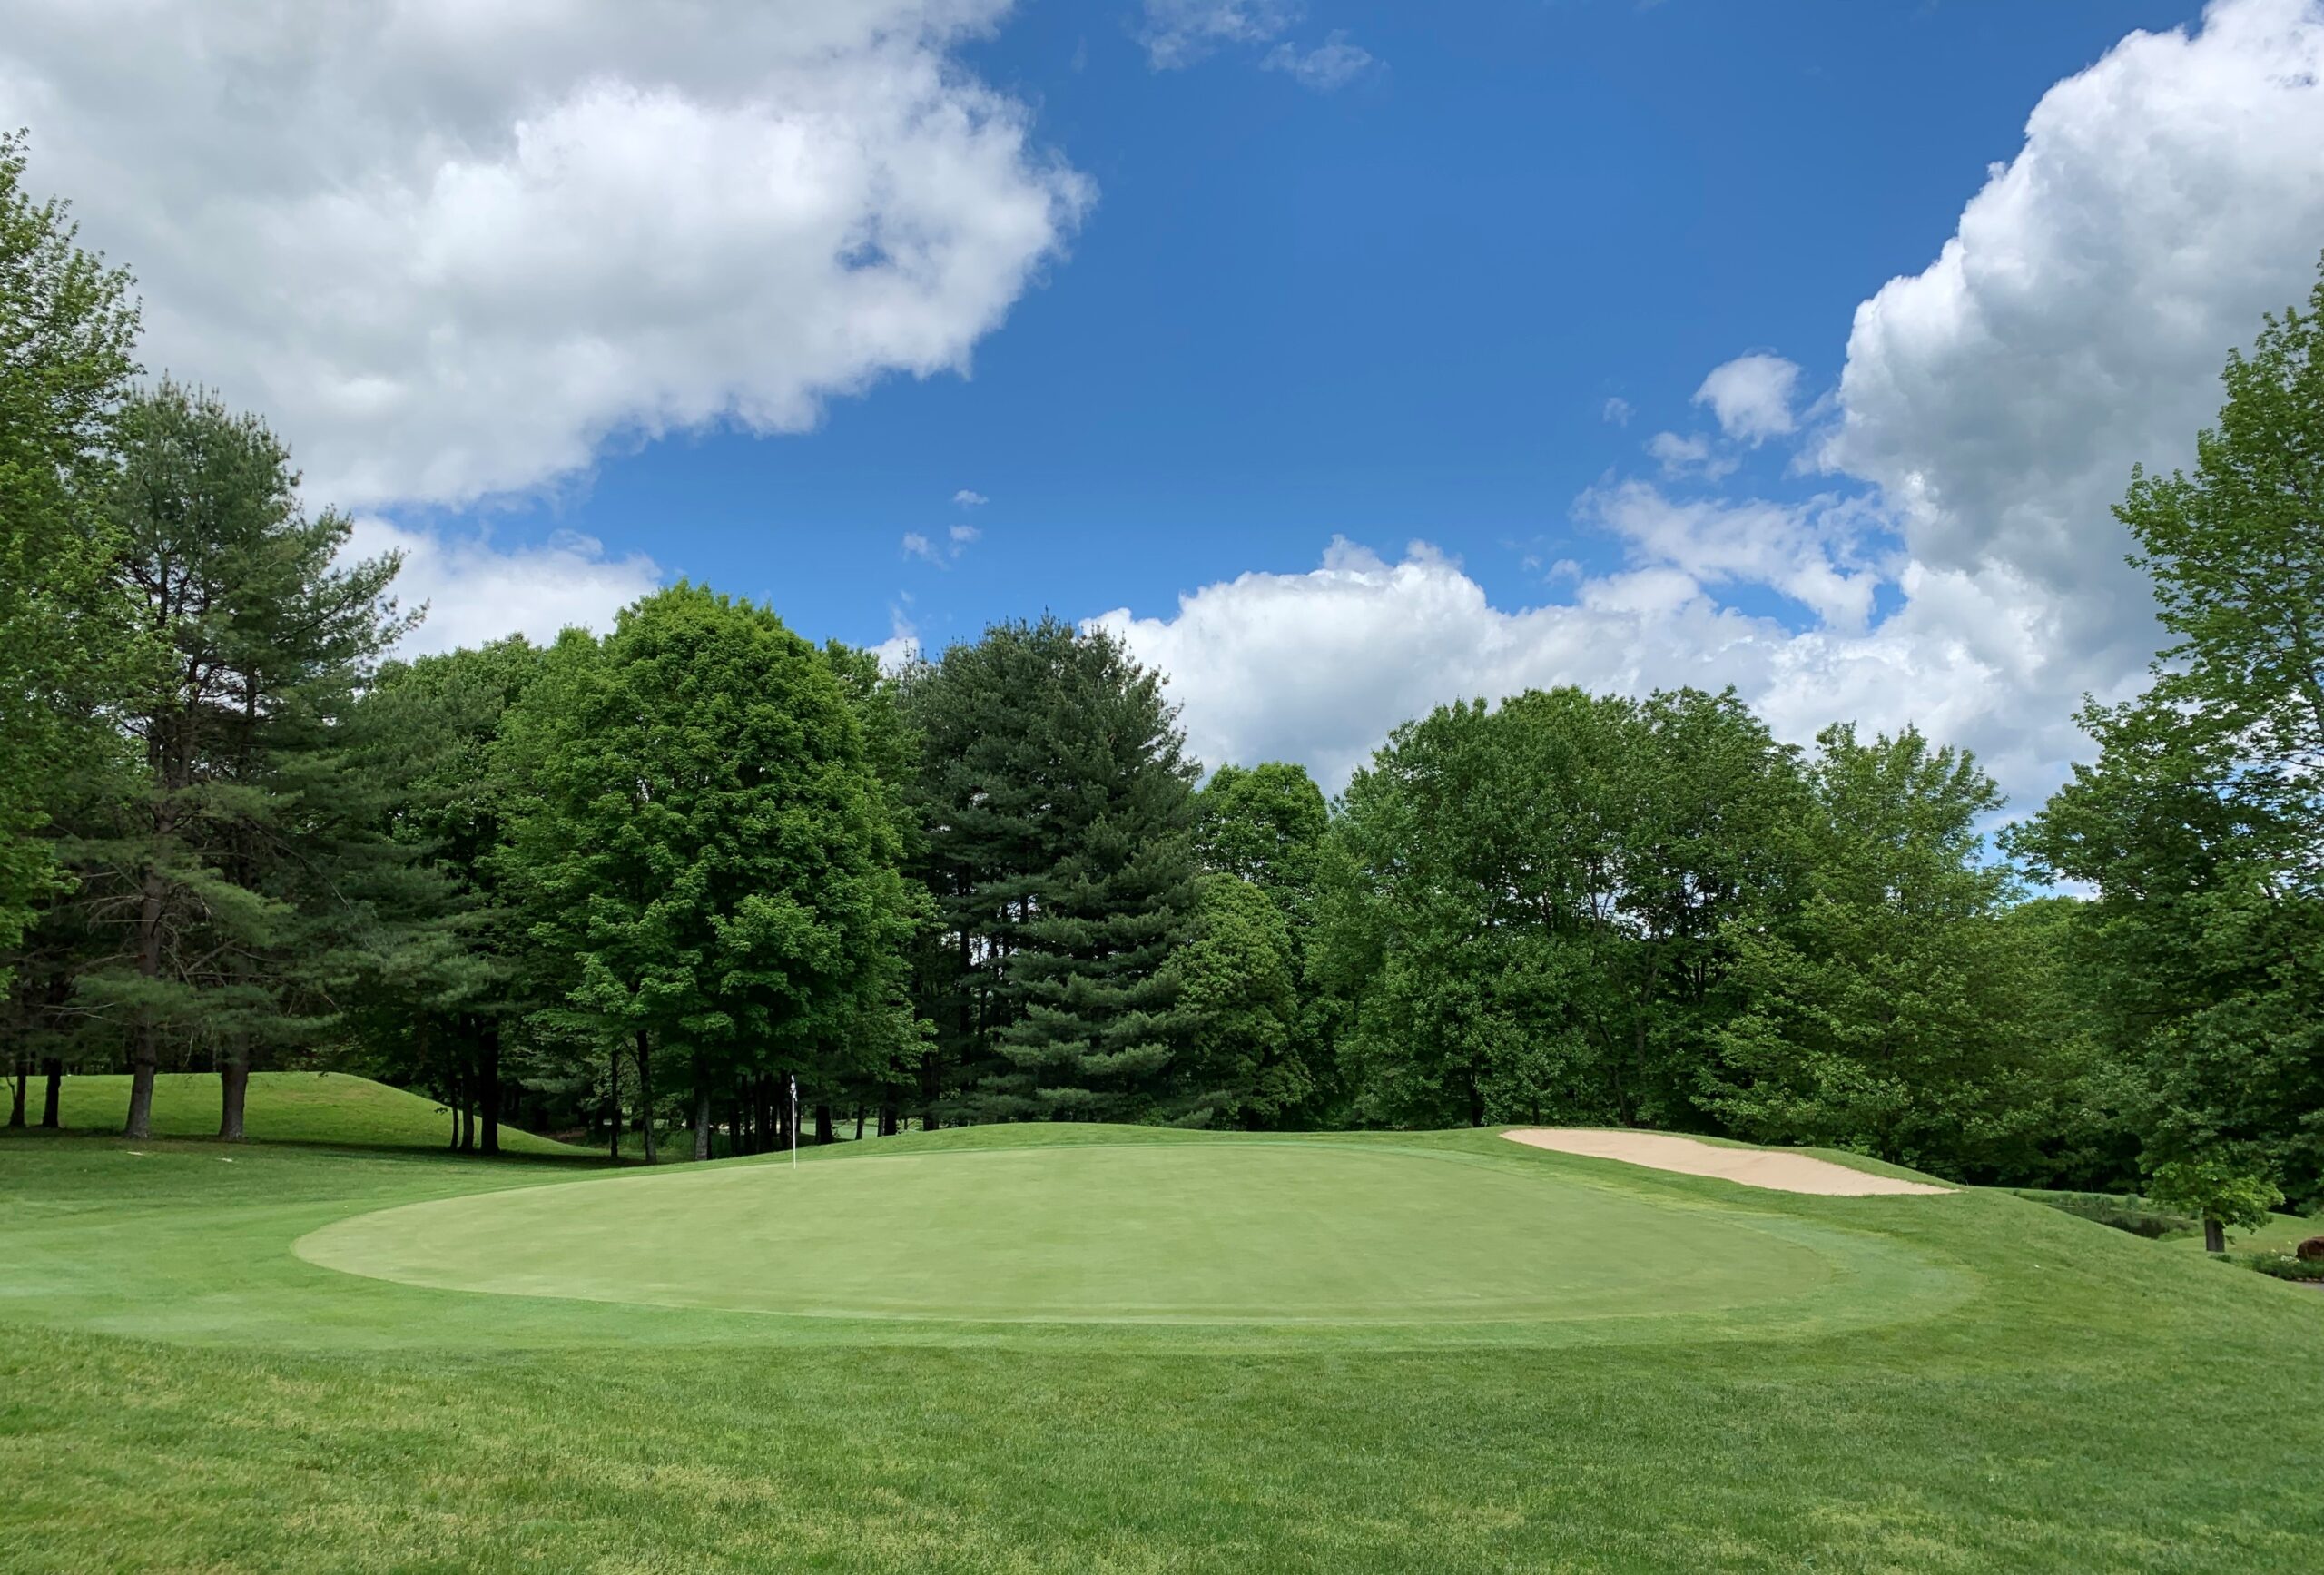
[1970, 1382]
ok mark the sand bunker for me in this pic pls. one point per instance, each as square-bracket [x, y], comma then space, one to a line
[1777, 1171]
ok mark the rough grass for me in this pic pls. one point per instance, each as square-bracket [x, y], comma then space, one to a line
[283, 1107]
[178, 1389]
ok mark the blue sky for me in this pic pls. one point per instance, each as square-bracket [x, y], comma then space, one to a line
[1393, 310]
[1342, 358]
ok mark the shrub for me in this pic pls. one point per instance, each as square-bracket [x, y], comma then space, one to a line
[2123, 1210]
[2283, 1266]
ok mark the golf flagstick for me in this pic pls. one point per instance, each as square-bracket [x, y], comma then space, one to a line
[795, 1120]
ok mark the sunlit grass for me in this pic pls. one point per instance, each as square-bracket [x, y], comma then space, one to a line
[178, 1389]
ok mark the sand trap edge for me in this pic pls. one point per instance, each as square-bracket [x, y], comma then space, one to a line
[1762, 1168]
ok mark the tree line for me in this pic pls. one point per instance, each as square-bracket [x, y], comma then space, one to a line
[640, 882]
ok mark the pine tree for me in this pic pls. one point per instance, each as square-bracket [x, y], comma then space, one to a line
[266, 639]
[1060, 817]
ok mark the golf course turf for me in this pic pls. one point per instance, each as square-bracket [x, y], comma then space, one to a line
[1116, 1348]
[1246, 1233]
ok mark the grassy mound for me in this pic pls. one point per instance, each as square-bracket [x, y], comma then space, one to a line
[329, 1107]
[1246, 1232]
[180, 1389]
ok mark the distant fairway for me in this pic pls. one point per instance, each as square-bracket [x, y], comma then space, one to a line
[1206, 1233]
[283, 1107]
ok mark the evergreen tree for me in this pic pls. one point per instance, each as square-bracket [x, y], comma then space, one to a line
[266, 639]
[1058, 814]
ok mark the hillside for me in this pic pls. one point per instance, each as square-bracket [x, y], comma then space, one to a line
[327, 1108]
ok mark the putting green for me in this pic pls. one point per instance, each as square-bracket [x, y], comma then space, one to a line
[1210, 1232]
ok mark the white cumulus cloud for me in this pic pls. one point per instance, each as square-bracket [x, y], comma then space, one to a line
[451, 246]
[1752, 397]
[474, 592]
[1989, 412]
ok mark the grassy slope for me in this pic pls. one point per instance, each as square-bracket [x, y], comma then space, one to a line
[283, 1108]
[176, 1389]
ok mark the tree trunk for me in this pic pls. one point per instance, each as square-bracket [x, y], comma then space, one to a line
[145, 1045]
[452, 1104]
[646, 1090]
[859, 1120]
[700, 1111]
[612, 1102]
[234, 1065]
[891, 1119]
[24, 1081]
[233, 1089]
[49, 1113]
[2215, 1236]
[823, 1133]
[145, 1054]
[489, 1093]
[468, 1111]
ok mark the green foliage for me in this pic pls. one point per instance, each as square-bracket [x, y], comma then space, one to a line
[449, 969]
[705, 853]
[1059, 853]
[229, 872]
[2201, 824]
[1530, 906]
[2283, 1266]
[1265, 825]
[67, 326]
[1887, 1011]
[1238, 979]
[2238, 1196]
